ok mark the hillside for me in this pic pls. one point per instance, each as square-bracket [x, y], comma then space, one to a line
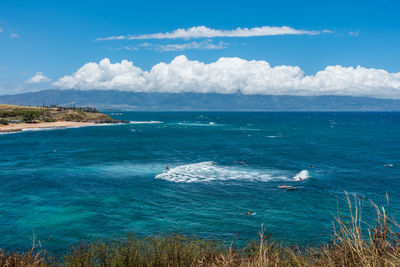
[196, 101]
[17, 114]
[17, 118]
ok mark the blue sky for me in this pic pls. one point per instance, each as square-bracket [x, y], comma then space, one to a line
[57, 38]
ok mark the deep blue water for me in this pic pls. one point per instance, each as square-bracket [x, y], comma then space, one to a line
[106, 181]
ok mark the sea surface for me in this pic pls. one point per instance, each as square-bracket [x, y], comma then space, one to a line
[62, 186]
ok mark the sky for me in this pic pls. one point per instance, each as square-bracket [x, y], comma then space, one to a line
[255, 47]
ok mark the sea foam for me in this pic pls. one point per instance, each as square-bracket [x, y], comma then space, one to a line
[209, 171]
[197, 124]
[301, 175]
[146, 122]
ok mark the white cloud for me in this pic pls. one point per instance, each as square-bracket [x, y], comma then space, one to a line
[204, 45]
[38, 78]
[128, 47]
[354, 33]
[205, 32]
[14, 35]
[229, 75]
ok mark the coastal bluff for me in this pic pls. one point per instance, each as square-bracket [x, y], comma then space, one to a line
[15, 118]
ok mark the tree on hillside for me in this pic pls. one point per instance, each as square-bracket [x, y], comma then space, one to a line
[31, 115]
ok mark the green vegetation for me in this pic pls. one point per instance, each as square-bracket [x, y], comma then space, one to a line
[4, 121]
[352, 245]
[31, 115]
[17, 114]
[48, 119]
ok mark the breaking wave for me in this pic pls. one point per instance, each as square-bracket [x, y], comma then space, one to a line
[209, 171]
[211, 123]
[146, 122]
[301, 175]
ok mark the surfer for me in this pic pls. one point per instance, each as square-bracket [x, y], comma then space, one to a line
[282, 186]
[248, 213]
[166, 168]
[311, 167]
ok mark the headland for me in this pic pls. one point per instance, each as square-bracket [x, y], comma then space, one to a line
[18, 118]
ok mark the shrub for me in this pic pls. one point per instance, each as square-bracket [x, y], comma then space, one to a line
[3, 121]
[31, 115]
[47, 119]
[73, 117]
[11, 113]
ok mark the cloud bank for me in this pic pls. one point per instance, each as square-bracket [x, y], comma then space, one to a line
[38, 78]
[205, 32]
[231, 75]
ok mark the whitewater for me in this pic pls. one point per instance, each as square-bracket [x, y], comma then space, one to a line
[209, 171]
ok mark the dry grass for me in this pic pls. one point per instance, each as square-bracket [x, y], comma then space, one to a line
[16, 107]
[47, 114]
[30, 258]
[354, 244]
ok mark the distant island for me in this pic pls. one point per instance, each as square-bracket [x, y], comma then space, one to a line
[140, 101]
[17, 118]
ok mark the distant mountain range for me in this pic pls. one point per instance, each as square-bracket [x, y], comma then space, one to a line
[117, 100]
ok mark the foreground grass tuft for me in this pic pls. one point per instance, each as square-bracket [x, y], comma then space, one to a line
[31, 258]
[352, 245]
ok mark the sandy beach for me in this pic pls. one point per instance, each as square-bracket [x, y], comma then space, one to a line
[16, 127]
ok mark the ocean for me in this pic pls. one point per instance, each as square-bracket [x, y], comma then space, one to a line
[62, 186]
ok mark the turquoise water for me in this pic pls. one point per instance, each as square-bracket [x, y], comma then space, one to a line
[97, 182]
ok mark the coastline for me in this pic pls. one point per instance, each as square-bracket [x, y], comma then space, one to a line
[18, 127]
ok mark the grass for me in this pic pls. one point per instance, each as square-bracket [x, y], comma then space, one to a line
[6, 107]
[11, 113]
[354, 243]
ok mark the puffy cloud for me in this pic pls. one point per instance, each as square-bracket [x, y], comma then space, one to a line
[230, 75]
[205, 32]
[38, 78]
[120, 76]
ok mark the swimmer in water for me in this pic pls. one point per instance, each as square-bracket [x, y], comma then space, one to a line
[166, 168]
[311, 167]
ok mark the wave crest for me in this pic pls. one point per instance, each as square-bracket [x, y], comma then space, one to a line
[301, 175]
[146, 122]
[209, 171]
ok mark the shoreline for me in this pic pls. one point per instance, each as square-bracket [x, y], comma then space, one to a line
[19, 127]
